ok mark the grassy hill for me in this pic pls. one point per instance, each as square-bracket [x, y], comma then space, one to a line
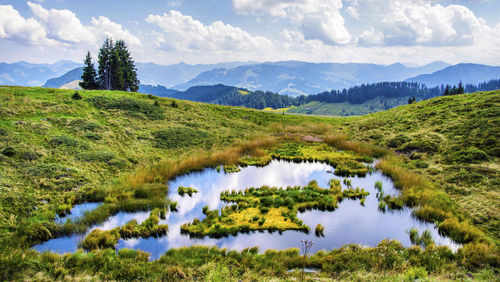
[347, 109]
[58, 149]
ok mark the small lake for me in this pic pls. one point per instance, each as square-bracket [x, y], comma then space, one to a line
[351, 223]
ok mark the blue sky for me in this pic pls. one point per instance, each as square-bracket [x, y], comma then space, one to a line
[211, 31]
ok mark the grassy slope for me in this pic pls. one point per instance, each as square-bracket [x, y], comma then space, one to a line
[31, 117]
[348, 109]
[442, 127]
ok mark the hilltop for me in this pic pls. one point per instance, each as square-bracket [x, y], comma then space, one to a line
[58, 149]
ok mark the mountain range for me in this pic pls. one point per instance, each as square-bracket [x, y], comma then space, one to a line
[296, 78]
[291, 78]
[28, 74]
[467, 73]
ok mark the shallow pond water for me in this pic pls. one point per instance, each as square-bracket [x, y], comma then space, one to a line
[350, 223]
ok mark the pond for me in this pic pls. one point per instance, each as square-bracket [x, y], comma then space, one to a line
[350, 223]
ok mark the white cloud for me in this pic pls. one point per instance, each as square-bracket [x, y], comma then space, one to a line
[62, 25]
[14, 26]
[182, 32]
[103, 27]
[416, 22]
[316, 19]
[65, 27]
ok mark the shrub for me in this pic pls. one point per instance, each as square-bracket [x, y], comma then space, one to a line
[469, 155]
[175, 137]
[424, 146]
[90, 126]
[3, 132]
[398, 141]
[174, 104]
[9, 152]
[378, 185]
[29, 156]
[264, 209]
[63, 141]
[76, 96]
[129, 105]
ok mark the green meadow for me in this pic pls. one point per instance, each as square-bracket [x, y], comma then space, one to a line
[59, 149]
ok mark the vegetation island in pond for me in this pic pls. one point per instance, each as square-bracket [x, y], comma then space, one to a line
[269, 208]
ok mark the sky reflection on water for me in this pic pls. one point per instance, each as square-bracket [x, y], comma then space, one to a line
[350, 223]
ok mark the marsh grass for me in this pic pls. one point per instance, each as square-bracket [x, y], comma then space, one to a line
[99, 239]
[31, 117]
[268, 208]
[319, 231]
[186, 190]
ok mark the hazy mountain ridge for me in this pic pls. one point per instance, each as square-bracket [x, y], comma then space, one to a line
[467, 73]
[296, 78]
[29, 74]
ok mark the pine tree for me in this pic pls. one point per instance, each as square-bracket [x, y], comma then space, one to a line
[131, 83]
[117, 71]
[460, 89]
[447, 90]
[89, 74]
[104, 71]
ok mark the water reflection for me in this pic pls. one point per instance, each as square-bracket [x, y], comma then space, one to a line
[350, 223]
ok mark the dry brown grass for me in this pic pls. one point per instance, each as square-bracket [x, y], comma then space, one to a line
[167, 169]
[341, 141]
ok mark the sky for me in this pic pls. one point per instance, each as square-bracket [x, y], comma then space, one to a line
[413, 32]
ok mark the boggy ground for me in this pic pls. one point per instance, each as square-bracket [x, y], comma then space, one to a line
[120, 148]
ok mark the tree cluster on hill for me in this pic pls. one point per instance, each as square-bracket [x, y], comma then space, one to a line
[364, 92]
[258, 100]
[490, 85]
[116, 70]
[455, 90]
[233, 96]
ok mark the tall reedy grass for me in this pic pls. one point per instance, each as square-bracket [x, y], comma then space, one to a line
[342, 141]
[431, 204]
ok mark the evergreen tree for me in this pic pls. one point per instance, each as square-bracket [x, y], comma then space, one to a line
[460, 89]
[117, 71]
[447, 90]
[89, 74]
[131, 83]
[104, 70]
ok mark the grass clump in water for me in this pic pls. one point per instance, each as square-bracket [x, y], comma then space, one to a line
[319, 231]
[231, 168]
[99, 239]
[186, 190]
[424, 240]
[269, 208]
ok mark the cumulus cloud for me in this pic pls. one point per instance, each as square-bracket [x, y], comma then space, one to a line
[103, 27]
[181, 32]
[317, 19]
[58, 28]
[62, 25]
[14, 26]
[416, 22]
